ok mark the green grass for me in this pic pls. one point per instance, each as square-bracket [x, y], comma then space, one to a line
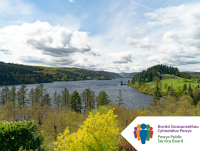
[175, 83]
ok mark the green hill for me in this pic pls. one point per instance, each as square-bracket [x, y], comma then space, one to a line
[22, 74]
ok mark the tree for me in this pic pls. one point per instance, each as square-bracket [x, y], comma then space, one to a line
[165, 85]
[157, 91]
[102, 98]
[13, 94]
[43, 91]
[37, 95]
[147, 80]
[65, 97]
[171, 91]
[31, 96]
[88, 98]
[57, 99]
[184, 87]
[75, 102]
[47, 99]
[5, 94]
[120, 100]
[21, 95]
[190, 90]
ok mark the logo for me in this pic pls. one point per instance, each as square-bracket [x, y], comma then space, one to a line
[143, 132]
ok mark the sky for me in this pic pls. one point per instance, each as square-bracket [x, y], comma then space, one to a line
[102, 35]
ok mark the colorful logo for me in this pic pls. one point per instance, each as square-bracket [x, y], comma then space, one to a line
[143, 132]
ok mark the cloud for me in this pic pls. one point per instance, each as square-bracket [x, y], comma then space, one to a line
[15, 7]
[188, 14]
[141, 43]
[5, 51]
[54, 44]
[121, 57]
[72, 1]
[140, 30]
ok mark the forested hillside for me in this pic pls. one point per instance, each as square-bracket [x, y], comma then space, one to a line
[150, 73]
[128, 75]
[22, 74]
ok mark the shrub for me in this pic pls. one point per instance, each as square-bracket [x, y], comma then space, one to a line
[98, 132]
[16, 135]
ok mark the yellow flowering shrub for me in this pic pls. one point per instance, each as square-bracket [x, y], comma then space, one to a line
[98, 133]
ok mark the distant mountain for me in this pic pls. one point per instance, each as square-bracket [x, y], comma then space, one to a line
[123, 75]
[192, 73]
[116, 75]
[128, 75]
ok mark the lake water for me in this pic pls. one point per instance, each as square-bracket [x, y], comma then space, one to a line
[131, 97]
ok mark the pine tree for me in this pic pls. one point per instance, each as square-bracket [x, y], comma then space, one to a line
[13, 94]
[157, 91]
[65, 97]
[190, 91]
[184, 87]
[120, 100]
[31, 96]
[102, 98]
[21, 95]
[43, 92]
[37, 95]
[88, 98]
[75, 102]
[47, 99]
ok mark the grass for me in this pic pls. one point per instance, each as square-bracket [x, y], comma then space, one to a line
[174, 82]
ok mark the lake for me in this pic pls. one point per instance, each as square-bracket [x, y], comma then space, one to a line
[131, 97]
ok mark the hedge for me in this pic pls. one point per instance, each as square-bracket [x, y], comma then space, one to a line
[16, 135]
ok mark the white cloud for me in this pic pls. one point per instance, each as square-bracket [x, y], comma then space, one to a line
[121, 57]
[15, 7]
[141, 43]
[42, 39]
[140, 30]
[188, 14]
[180, 44]
[71, 1]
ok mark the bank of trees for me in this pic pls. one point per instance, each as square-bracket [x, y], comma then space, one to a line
[11, 74]
[150, 73]
[75, 101]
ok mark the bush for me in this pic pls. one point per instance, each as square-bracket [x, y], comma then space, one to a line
[16, 135]
[98, 132]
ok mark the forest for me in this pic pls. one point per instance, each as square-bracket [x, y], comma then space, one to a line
[150, 73]
[11, 74]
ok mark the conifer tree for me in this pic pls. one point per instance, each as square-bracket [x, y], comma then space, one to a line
[65, 97]
[190, 91]
[37, 95]
[157, 91]
[21, 95]
[102, 98]
[47, 99]
[75, 102]
[120, 100]
[184, 87]
[42, 93]
[13, 94]
[88, 98]
[31, 96]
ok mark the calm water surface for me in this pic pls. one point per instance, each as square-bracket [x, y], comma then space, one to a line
[131, 97]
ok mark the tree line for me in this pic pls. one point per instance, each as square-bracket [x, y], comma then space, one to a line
[11, 74]
[150, 73]
[193, 92]
[75, 101]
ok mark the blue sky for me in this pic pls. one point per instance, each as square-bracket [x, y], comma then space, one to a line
[109, 35]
